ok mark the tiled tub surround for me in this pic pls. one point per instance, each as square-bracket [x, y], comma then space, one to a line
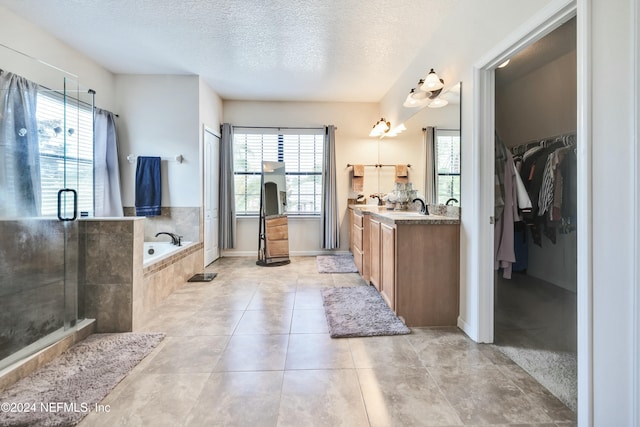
[183, 221]
[120, 292]
[163, 277]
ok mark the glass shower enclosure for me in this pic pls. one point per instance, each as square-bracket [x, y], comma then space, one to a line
[40, 297]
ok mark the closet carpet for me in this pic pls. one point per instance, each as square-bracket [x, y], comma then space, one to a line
[536, 327]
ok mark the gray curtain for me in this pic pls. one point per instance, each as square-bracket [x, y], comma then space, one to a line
[431, 167]
[108, 201]
[19, 150]
[227, 235]
[330, 214]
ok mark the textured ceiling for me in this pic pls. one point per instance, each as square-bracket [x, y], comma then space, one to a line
[310, 50]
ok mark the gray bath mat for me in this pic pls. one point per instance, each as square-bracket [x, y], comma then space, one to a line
[76, 380]
[202, 277]
[359, 311]
[336, 264]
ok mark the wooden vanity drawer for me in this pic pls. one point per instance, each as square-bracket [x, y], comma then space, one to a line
[357, 237]
[357, 220]
[357, 259]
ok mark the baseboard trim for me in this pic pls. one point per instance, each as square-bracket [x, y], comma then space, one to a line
[291, 254]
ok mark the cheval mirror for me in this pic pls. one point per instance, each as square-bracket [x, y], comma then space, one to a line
[273, 234]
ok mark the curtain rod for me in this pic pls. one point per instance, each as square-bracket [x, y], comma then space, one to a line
[448, 130]
[278, 127]
[377, 165]
[91, 91]
[42, 88]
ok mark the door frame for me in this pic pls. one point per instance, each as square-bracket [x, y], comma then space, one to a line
[636, 310]
[206, 174]
[548, 19]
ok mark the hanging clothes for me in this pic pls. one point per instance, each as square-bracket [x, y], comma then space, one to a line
[548, 175]
[504, 255]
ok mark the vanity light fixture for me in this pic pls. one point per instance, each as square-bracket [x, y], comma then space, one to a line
[417, 97]
[380, 128]
[396, 130]
[438, 103]
[411, 101]
[432, 82]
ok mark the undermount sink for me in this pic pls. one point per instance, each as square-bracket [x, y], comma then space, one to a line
[411, 214]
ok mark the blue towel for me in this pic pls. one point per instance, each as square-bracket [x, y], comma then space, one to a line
[148, 186]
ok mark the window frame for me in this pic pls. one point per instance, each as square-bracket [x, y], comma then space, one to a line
[448, 133]
[281, 135]
[79, 116]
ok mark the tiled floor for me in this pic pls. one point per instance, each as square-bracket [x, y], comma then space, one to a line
[251, 348]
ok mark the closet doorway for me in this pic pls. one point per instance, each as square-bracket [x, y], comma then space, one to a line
[535, 281]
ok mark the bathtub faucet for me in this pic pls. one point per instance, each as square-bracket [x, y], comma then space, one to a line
[175, 240]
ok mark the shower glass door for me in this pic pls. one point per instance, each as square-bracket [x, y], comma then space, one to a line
[39, 181]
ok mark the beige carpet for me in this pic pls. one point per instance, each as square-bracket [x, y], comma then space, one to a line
[65, 390]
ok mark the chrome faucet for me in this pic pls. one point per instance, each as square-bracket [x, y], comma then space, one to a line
[423, 206]
[175, 240]
[451, 201]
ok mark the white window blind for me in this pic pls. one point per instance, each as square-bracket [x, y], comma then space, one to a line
[448, 149]
[300, 150]
[65, 136]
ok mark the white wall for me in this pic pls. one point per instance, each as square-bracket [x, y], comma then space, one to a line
[353, 145]
[31, 40]
[159, 116]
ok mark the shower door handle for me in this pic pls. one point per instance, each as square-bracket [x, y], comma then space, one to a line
[75, 204]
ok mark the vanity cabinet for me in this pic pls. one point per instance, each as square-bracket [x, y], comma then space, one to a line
[414, 262]
[388, 264]
[374, 254]
[355, 239]
[427, 274]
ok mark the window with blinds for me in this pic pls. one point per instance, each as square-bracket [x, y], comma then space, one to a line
[65, 136]
[448, 152]
[301, 152]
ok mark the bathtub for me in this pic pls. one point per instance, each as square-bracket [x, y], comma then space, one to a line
[157, 251]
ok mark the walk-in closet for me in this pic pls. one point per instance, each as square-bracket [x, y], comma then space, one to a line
[535, 211]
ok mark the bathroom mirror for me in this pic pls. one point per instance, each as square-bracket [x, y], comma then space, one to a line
[447, 123]
[273, 235]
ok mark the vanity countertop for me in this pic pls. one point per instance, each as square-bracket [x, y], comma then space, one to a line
[404, 217]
